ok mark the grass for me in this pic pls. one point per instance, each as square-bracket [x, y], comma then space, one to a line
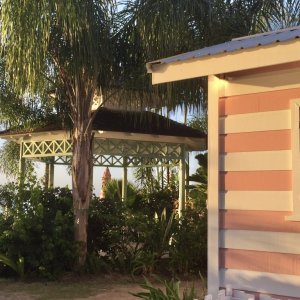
[65, 289]
[74, 287]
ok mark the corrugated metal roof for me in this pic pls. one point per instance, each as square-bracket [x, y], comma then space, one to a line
[246, 42]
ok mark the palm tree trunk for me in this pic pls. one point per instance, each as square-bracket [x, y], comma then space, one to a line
[81, 184]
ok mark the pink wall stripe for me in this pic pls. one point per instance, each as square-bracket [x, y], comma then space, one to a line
[256, 141]
[260, 261]
[256, 181]
[257, 220]
[260, 102]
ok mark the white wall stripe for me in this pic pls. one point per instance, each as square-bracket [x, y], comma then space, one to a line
[261, 121]
[261, 241]
[256, 161]
[257, 200]
[275, 80]
[277, 284]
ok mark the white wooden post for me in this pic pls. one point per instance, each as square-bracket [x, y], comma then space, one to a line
[187, 174]
[46, 176]
[51, 174]
[213, 186]
[182, 167]
[124, 181]
[21, 166]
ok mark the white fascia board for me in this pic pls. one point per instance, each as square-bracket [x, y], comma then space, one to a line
[262, 56]
[193, 144]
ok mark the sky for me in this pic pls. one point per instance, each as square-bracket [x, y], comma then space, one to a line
[62, 178]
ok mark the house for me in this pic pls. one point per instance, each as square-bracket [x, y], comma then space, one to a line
[254, 159]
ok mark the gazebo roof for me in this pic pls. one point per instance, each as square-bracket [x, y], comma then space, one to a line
[144, 122]
[133, 128]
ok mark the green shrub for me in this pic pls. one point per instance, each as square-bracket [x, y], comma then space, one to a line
[37, 224]
[144, 237]
[171, 291]
[139, 237]
[188, 250]
[18, 266]
[105, 225]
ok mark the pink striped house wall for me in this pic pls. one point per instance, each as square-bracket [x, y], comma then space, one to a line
[259, 249]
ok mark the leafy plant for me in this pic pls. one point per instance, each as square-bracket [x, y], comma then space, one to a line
[171, 291]
[37, 225]
[17, 266]
[188, 251]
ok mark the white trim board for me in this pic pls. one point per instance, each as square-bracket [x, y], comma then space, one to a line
[257, 200]
[276, 284]
[214, 85]
[260, 121]
[256, 161]
[263, 82]
[295, 110]
[281, 242]
[263, 56]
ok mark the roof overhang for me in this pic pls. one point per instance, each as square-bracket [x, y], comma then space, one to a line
[244, 59]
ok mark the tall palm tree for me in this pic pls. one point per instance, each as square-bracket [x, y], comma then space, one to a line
[157, 29]
[68, 42]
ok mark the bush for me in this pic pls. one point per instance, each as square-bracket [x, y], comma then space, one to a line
[37, 225]
[171, 288]
[140, 237]
[139, 240]
[188, 250]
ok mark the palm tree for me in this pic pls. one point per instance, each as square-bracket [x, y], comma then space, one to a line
[67, 42]
[286, 13]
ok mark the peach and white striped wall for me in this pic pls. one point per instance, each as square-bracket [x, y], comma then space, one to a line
[259, 249]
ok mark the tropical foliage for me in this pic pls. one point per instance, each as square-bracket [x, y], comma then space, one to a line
[75, 49]
[36, 234]
[36, 231]
[172, 291]
[69, 44]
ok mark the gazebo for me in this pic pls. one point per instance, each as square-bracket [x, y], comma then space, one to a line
[122, 139]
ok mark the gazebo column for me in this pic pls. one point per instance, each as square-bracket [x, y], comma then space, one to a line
[187, 175]
[124, 180]
[51, 173]
[92, 177]
[21, 166]
[46, 176]
[182, 174]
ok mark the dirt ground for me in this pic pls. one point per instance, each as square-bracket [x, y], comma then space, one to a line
[115, 292]
[110, 287]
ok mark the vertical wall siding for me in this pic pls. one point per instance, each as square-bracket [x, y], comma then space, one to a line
[258, 251]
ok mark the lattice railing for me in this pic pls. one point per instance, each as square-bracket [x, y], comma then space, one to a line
[118, 161]
[137, 148]
[47, 148]
[102, 147]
